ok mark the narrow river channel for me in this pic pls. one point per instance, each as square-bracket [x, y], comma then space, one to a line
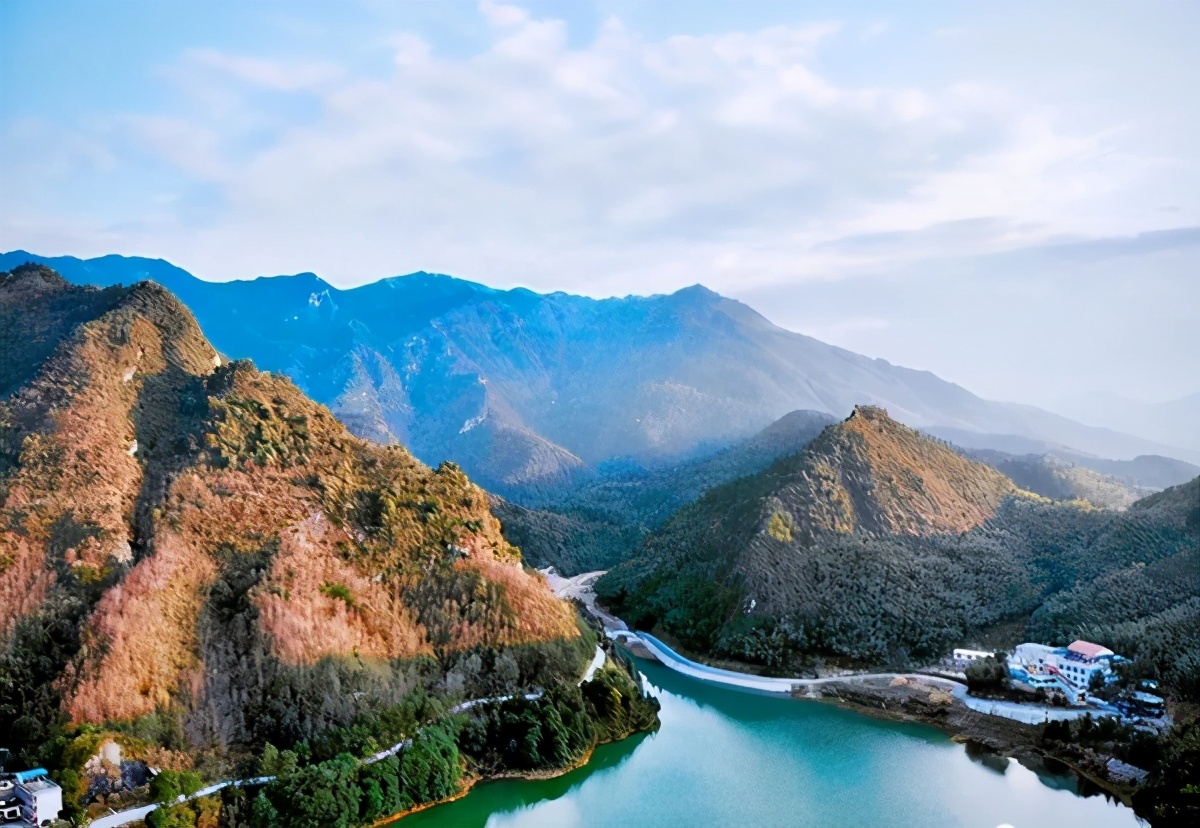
[726, 757]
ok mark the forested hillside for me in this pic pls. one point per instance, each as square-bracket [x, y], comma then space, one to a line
[599, 524]
[1059, 479]
[834, 553]
[197, 560]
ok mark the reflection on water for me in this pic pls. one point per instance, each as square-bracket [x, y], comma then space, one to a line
[986, 757]
[725, 757]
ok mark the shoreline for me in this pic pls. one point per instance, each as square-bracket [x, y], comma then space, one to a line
[918, 698]
[1001, 737]
[471, 781]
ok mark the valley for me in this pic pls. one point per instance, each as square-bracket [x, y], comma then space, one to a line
[206, 572]
[592, 413]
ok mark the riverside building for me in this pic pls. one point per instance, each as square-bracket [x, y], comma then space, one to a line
[29, 798]
[1071, 668]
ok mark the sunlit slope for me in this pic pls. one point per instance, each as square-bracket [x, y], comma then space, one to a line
[182, 534]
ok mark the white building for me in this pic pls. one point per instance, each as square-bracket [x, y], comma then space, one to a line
[1073, 665]
[963, 657]
[41, 799]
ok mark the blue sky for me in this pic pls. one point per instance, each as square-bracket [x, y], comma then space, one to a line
[997, 192]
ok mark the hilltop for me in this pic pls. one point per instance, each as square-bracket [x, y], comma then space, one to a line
[597, 524]
[878, 545]
[191, 548]
[535, 394]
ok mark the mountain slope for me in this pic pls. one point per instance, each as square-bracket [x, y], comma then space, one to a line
[196, 540]
[532, 392]
[1058, 479]
[883, 546]
[598, 524]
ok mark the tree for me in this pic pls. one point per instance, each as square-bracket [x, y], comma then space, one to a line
[987, 674]
[176, 816]
[169, 785]
[431, 768]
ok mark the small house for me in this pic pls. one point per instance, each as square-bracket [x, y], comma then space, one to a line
[40, 798]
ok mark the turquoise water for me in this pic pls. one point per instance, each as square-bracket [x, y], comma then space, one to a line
[730, 758]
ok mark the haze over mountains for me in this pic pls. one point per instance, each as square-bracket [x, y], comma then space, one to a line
[533, 393]
[1176, 422]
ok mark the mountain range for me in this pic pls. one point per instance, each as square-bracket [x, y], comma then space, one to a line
[533, 394]
[1176, 422]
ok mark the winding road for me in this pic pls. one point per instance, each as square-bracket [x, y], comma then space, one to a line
[1026, 713]
[132, 815]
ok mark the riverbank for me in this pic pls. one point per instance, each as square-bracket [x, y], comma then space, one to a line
[913, 702]
[917, 698]
[472, 780]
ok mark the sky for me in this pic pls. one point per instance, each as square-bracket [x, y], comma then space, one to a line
[1007, 194]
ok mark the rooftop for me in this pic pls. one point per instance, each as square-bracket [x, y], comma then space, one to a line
[40, 784]
[1088, 650]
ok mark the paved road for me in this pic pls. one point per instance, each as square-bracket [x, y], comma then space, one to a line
[580, 587]
[120, 818]
[1027, 713]
[136, 814]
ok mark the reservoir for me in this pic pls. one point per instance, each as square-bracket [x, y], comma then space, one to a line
[726, 757]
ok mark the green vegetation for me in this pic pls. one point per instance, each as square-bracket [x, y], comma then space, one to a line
[339, 591]
[988, 674]
[721, 581]
[169, 785]
[600, 523]
[1171, 796]
[317, 787]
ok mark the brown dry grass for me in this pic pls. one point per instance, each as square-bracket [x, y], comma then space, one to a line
[232, 462]
[73, 489]
[24, 581]
[920, 485]
[143, 635]
[538, 615]
[306, 624]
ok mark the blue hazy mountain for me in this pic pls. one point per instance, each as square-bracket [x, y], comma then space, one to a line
[534, 392]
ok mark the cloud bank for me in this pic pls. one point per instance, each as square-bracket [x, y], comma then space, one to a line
[762, 162]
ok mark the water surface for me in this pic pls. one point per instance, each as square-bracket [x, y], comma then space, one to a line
[727, 758]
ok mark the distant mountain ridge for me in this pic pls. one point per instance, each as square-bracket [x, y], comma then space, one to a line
[532, 393]
[1176, 422]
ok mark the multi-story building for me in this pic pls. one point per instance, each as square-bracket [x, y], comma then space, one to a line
[1072, 667]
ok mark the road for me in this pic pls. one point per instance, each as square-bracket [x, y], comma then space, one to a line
[132, 815]
[580, 587]
[1027, 713]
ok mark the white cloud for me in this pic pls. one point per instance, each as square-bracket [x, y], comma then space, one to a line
[288, 76]
[624, 164]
